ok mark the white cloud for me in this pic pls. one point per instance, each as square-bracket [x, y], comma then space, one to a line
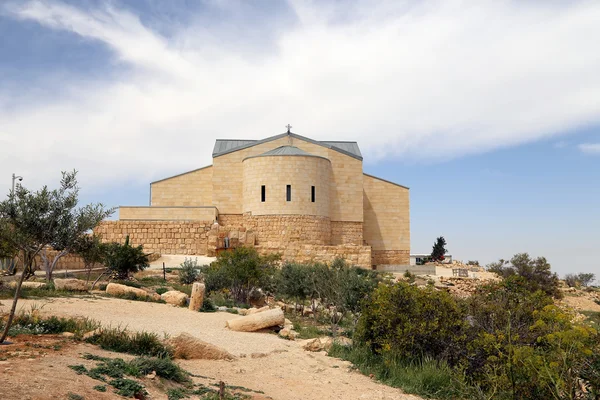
[590, 148]
[442, 78]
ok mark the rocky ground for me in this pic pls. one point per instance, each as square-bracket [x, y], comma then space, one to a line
[264, 362]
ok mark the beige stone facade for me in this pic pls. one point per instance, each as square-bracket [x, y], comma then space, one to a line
[305, 199]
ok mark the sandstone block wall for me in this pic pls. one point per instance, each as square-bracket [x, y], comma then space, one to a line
[346, 233]
[231, 220]
[390, 257]
[387, 218]
[277, 230]
[161, 213]
[163, 237]
[192, 188]
[275, 173]
[355, 255]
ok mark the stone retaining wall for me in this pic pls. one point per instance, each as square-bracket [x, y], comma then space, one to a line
[393, 257]
[163, 237]
[355, 255]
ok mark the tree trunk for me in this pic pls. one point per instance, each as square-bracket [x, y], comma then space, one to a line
[255, 322]
[50, 266]
[11, 316]
[197, 297]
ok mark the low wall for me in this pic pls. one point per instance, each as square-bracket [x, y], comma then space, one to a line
[414, 269]
[355, 255]
[163, 237]
[391, 257]
[168, 213]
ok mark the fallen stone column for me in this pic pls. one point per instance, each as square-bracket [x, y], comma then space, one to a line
[197, 297]
[255, 322]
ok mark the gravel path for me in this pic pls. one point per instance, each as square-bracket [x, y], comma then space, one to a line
[278, 367]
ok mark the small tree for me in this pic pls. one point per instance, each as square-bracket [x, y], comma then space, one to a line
[91, 249]
[29, 221]
[75, 223]
[439, 249]
[123, 259]
[295, 283]
[585, 279]
[189, 271]
[536, 272]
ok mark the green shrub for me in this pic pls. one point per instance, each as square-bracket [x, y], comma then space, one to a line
[240, 271]
[425, 377]
[123, 259]
[162, 290]
[189, 271]
[138, 343]
[410, 277]
[408, 322]
[164, 367]
[128, 388]
[32, 323]
[208, 306]
[100, 388]
[536, 272]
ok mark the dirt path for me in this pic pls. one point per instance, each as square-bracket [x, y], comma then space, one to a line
[280, 368]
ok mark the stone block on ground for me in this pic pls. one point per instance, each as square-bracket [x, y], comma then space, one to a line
[174, 297]
[116, 289]
[325, 343]
[71, 284]
[257, 321]
[28, 285]
[187, 347]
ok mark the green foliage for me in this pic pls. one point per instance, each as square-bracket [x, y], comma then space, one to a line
[405, 321]
[123, 259]
[410, 277]
[138, 343]
[30, 221]
[74, 396]
[162, 290]
[523, 346]
[189, 271]
[128, 387]
[581, 279]
[100, 388]
[426, 377]
[240, 271]
[32, 323]
[208, 306]
[536, 273]
[339, 287]
[295, 281]
[505, 341]
[439, 249]
[164, 367]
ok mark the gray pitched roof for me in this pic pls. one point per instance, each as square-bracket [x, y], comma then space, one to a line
[286, 151]
[225, 146]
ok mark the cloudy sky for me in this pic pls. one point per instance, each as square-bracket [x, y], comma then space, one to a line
[488, 110]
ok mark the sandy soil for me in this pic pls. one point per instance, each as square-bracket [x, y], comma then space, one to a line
[280, 368]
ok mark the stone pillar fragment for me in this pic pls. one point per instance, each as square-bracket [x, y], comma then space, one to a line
[197, 297]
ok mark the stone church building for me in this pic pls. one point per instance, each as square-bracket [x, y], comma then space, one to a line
[308, 200]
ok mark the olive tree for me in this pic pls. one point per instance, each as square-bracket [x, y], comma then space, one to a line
[31, 221]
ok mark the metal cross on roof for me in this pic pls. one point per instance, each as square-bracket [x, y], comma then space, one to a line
[288, 126]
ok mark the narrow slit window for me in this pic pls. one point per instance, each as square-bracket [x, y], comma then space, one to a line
[312, 194]
[263, 193]
[288, 193]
